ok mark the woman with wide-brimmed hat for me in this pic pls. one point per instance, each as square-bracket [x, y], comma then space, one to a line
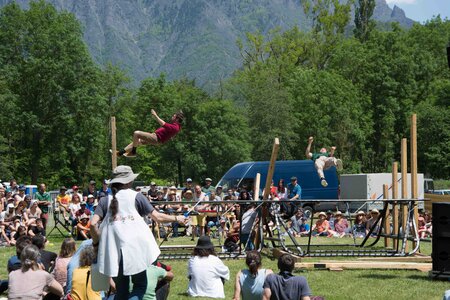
[206, 271]
[126, 246]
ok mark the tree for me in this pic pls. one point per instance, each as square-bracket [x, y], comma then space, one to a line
[55, 85]
[364, 24]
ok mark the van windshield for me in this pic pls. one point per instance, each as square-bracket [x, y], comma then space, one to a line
[228, 183]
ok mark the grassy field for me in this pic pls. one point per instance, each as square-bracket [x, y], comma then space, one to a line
[347, 284]
[441, 184]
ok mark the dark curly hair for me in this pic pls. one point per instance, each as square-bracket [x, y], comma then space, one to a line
[180, 116]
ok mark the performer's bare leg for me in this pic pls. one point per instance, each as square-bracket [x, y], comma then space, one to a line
[139, 138]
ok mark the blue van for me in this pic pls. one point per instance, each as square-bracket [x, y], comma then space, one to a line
[244, 174]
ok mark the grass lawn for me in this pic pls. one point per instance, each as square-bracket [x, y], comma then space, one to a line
[347, 284]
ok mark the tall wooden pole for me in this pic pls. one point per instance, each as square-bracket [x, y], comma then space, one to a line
[273, 158]
[387, 223]
[394, 205]
[256, 188]
[414, 188]
[113, 143]
[404, 166]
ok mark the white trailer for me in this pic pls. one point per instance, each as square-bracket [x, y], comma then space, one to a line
[370, 187]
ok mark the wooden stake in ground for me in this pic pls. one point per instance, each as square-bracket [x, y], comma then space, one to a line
[394, 204]
[387, 223]
[113, 143]
[404, 166]
[414, 189]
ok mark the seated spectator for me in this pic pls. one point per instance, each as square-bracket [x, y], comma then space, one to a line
[30, 281]
[34, 212]
[21, 213]
[298, 223]
[63, 201]
[330, 219]
[21, 231]
[154, 275]
[249, 219]
[83, 228]
[424, 228]
[340, 224]
[322, 227]
[47, 258]
[249, 282]
[68, 248]
[14, 262]
[374, 214]
[90, 204]
[286, 286]
[206, 272]
[83, 210]
[359, 227]
[74, 263]
[232, 240]
[81, 281]
[37, 229]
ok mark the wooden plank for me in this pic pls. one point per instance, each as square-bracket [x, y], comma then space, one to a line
[417, 259]
[278, 252]
[273, 158]
[424, 267]
[434, 199]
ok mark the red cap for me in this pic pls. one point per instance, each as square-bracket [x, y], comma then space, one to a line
[74, 187]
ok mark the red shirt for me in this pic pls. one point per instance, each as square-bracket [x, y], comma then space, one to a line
[167, 131]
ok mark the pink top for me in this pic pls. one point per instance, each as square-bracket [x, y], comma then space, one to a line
[167, 131]
[60, 270]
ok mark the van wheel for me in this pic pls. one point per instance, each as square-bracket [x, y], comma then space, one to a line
[307, 211]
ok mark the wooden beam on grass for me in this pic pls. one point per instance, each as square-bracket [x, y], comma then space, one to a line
[424, 267]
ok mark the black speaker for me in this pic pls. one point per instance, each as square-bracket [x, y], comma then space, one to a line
[441, 238]
[448, 55]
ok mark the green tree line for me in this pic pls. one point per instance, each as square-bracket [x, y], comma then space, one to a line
[355, 91]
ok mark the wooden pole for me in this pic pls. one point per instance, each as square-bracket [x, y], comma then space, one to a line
[273, 158]
[257, 183]
[414, 189]
[404, 166]
[394, 205]
[387, 225]
[113, 143]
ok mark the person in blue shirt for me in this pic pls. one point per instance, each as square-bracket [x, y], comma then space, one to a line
[294, 189]
[294, 193]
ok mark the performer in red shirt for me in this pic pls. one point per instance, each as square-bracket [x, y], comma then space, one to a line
[160, 136]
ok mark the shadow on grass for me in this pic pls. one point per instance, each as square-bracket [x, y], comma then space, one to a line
[378, 276]
[418, 277]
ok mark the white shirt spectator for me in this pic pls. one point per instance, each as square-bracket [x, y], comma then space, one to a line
[205, 277]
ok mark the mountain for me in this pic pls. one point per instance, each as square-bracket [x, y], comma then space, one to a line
[184, 38]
